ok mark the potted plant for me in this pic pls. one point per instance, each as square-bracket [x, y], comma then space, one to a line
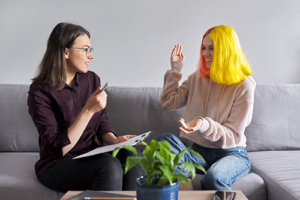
[159, 165]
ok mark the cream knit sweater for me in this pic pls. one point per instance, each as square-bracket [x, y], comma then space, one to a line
[226, 110]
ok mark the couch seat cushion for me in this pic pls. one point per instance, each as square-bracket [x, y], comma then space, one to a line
[17, 178]
[280, 171]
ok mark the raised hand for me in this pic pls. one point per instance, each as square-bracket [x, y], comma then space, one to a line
[177, 55]
[97, 101]
[191, 126]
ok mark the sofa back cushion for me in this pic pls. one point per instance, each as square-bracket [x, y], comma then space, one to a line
[137, 110]
[129, 110]
[275, 124]
[17, 131]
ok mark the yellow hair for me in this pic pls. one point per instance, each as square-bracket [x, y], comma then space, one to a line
[229, 63]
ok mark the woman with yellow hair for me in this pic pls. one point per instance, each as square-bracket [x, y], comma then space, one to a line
[219, 99]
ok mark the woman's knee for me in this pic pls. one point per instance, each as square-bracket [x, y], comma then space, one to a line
[108, 174]
[214, 181]
[110, 166]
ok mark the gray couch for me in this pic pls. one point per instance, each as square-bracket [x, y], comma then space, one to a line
[273, 139]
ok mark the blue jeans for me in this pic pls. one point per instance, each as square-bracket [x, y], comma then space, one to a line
[223, 166]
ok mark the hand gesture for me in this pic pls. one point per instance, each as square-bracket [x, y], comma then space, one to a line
[177, 55]
[123, 138]
[191, 126]
[97, 101]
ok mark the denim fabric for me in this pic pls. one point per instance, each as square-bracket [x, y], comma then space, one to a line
[223, 166]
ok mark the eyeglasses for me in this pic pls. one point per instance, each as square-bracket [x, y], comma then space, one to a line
[86, 50]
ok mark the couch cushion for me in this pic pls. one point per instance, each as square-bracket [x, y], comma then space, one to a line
[276, 114]
[17, 131]
[138, 110]
[252, 185]
[280, 171]
[17, 178]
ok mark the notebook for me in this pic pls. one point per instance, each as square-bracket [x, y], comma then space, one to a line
[90, 193]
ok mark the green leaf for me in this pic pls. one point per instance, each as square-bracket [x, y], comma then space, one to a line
[191, 150]
[191, 168]
[163, 181]
[167, 172]
[159, 157]
[143, 143]
[200, 167]
[147, 164]
[146, 152]
[128, 147]
[165, 152]
[116, 151]
[173, 156]
[179, 156]
[131, 162]
[156, 165]
[181, 178]
[132, 149]
[164, 145]
[154, 145]
[149, 151]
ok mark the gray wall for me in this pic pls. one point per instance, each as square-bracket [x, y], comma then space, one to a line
[133, 39]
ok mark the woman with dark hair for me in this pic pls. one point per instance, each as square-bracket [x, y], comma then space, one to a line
[219, 99]
[67, 106]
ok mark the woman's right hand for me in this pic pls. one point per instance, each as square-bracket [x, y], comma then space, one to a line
[177, 55]
[97, 101]
[191, 126]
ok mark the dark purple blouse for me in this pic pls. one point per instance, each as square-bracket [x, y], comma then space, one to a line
[53, 112]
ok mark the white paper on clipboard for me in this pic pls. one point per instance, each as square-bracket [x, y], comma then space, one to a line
[132, 141]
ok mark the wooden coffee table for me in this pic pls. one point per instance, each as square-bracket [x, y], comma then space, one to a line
[182, 195]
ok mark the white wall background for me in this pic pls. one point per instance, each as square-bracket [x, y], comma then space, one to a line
[133, 39]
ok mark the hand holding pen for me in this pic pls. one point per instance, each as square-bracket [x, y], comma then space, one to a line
[105, 86]
[97, 101]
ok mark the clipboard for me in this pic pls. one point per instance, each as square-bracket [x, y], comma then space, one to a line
[132, 141]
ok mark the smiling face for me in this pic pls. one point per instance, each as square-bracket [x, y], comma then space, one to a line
[208, 50]
[77, 60]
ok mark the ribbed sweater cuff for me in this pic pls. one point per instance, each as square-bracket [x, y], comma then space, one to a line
[177, 66]
[205, 126]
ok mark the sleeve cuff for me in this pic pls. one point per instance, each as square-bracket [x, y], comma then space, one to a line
[205, 126]
[62, 140]
[177, 66]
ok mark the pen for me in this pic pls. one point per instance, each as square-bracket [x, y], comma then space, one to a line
[111, 198]
[105, 86]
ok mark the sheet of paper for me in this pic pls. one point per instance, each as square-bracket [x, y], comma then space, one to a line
[133, 141]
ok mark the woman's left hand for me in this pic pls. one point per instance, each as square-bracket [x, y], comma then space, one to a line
[191, 126]
[123, 138]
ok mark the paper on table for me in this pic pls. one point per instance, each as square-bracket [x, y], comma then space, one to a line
[132, 141]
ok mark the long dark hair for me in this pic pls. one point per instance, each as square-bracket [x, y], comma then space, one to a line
[52, 67]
